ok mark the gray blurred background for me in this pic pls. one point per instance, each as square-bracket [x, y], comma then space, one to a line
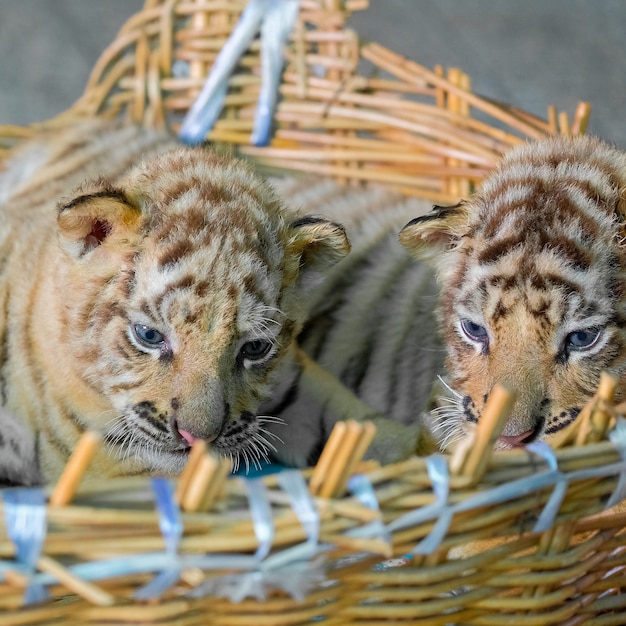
[529, 53]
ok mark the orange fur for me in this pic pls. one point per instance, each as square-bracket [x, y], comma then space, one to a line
[532, 271]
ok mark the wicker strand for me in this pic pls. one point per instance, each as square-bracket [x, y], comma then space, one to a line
[492, 421]
[76, 466]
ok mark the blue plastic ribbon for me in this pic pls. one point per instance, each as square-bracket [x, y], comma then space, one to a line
[361, 487]
[171, 526]
[25, 519]
[293, 484]
[261, 512]
[510, 491]
[236, 587]
[552, 506]
[275, 19]
[275, 30]
[502, 493]
[437, 467]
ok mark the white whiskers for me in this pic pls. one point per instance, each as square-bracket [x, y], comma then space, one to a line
[256, 450]
[448, 417]
[127, 441]
[262, 324]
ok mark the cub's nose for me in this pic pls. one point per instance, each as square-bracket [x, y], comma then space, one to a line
[188, 436]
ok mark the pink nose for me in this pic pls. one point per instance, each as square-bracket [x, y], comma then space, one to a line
[187, 436]
[516, 441]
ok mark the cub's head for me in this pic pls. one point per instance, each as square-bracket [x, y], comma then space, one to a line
[183, 294]
[533, 286]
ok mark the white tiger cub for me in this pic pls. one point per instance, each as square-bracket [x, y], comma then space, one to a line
[371, 323]
[159, 302]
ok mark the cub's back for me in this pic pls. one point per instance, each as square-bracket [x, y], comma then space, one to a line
[371, 321]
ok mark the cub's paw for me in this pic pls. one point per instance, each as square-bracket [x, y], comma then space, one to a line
[396, 442]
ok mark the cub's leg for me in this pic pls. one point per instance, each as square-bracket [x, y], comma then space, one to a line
[322, 401]
[18, 458]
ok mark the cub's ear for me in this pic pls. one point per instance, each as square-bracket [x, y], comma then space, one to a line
[98, 212]
[427, 236]
[317, 242]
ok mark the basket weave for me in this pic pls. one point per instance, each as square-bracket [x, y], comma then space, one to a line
[356, 112]
[519, 538]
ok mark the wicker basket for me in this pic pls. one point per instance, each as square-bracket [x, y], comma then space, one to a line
[524, 537]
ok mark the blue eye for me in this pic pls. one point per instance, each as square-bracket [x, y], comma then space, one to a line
[148, 337]
[583, 339]
[255, 350]
[474, 331]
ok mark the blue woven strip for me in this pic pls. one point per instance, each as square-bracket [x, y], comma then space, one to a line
[25, 519]
[171, 525]
[275, 19]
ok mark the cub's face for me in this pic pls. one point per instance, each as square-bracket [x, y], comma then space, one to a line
[184, 283]
[532, 273]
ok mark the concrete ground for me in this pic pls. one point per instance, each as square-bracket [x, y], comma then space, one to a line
[530, 53]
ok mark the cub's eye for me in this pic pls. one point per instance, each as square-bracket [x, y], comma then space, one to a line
[583, 339]
[148, 337]
[255, 350]
[475, 332]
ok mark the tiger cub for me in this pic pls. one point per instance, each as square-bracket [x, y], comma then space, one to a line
[371, 323]
[159, 303]
[532, 271]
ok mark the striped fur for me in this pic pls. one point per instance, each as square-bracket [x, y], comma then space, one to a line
[371, 323]
[533, 293]
[159, 302]
[156, 303]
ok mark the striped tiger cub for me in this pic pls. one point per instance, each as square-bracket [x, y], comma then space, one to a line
[532, 272]
[159, 302]
[371, 323]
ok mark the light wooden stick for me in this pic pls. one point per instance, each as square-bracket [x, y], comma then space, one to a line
[332, 483]
[552, 120]
[454, 106]
[598, 419]
[216, 486]
[195, 456]
[206, 483]
[581, 118]
[87, 590]
[325, 461]
[346, 446]
[366, 435]
[490, 425]
[440, 94]
[79, 461]
[564, 126]
[465, 83]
